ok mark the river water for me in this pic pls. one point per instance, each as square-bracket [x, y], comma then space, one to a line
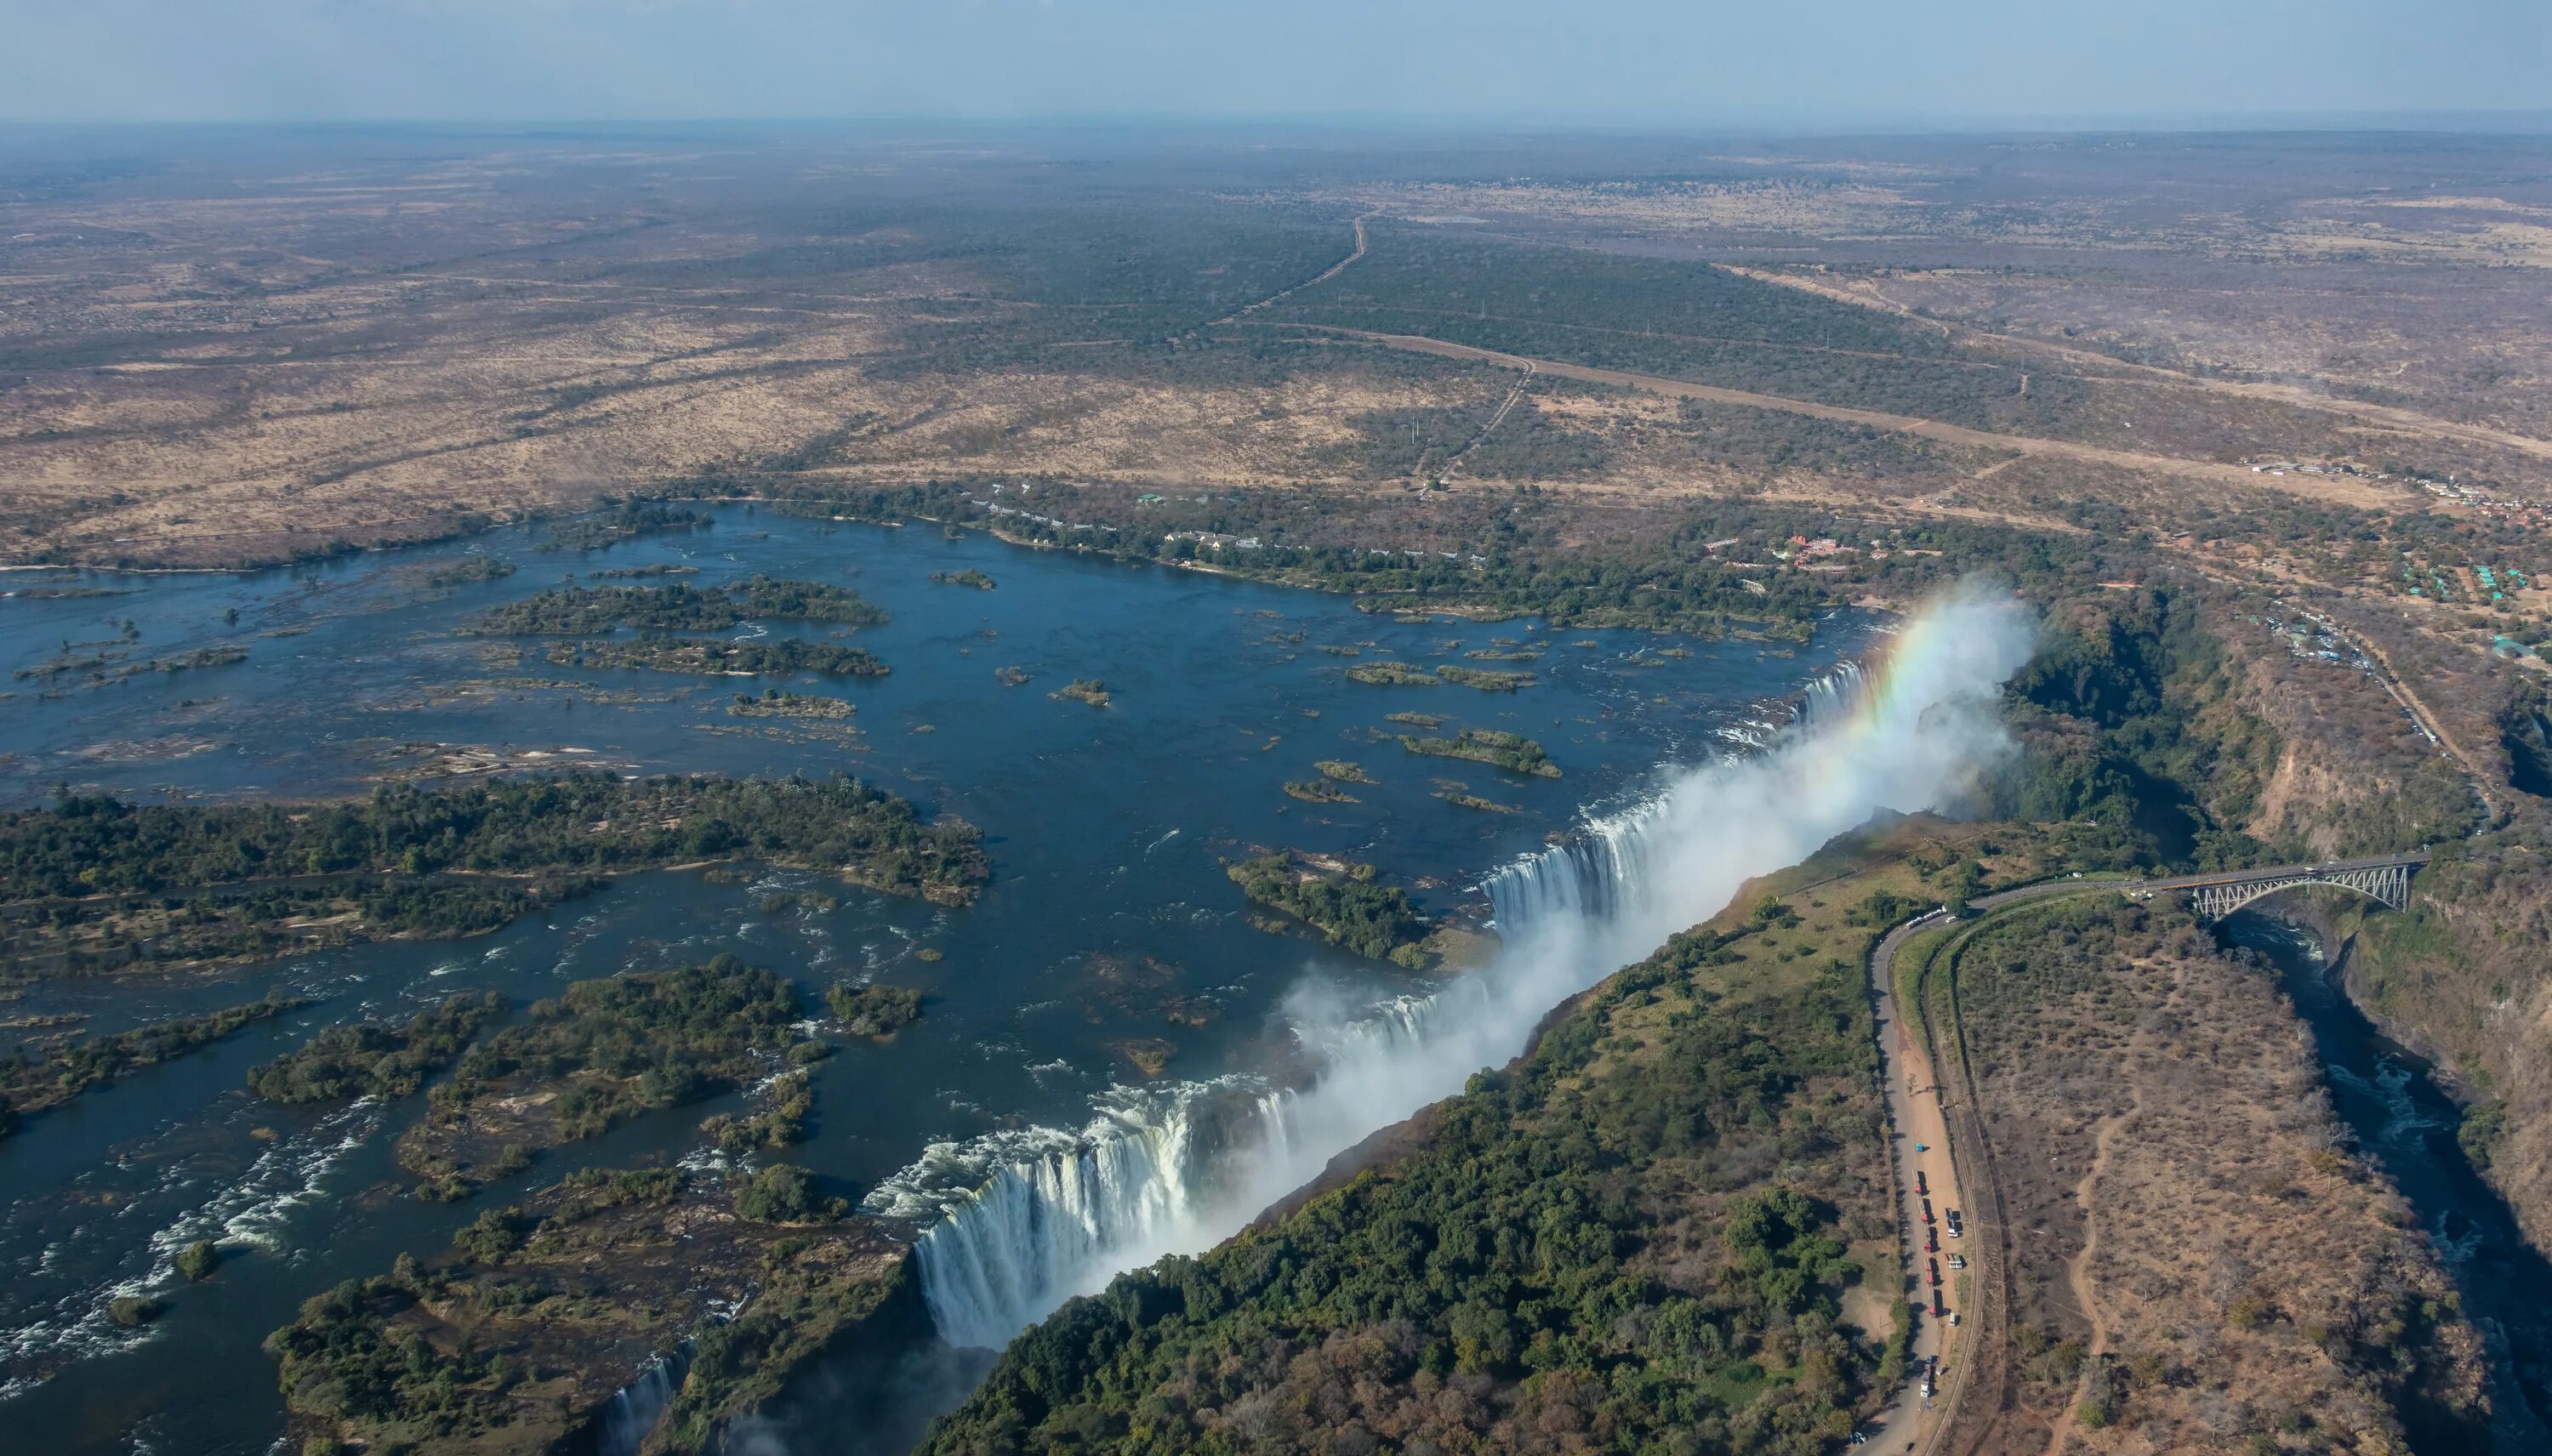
[1109, 926]
[2389, 1099]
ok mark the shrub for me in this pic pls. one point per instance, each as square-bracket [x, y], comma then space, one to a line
[135, 1310]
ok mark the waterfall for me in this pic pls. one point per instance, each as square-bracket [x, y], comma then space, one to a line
[1027, 1220]
[1833, 696]
[1586, 877]
[1031, 1231]
[625, 1421]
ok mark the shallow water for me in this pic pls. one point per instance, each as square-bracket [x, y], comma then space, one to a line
[1109, 921]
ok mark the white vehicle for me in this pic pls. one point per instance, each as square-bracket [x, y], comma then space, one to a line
[1958, 1261]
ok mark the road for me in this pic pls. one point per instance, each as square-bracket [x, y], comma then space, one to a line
[2319, 488]
[1279, 296]
[1920, 1141]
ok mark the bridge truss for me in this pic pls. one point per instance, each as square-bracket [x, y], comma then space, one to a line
[2388, 884]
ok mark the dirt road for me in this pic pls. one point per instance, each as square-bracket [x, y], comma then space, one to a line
[2125, 371]
[2317, 487]
[1332, 272]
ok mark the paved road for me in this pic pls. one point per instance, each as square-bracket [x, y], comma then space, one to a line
[1921, 1138]
[1904, 1065]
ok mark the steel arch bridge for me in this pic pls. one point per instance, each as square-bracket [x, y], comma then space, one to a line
[2384, 880]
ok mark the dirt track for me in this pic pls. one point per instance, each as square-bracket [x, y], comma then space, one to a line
[2288, 394]
[2322, 488]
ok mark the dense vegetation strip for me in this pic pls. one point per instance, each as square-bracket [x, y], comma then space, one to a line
[1512, 751]
[519, 1339]
[96, 883]
[760, 657]
[605, 1051]
[1624, 1243]
[377, 1059]
[1347, 904]
[33, 1079]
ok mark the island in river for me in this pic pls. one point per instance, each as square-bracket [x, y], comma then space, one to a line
[1089, 934]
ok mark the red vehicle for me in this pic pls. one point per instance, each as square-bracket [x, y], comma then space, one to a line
[1935, 1272]
[1927, 1210]
[1920, 1185]
[1939, 1309]
[1931, 1241]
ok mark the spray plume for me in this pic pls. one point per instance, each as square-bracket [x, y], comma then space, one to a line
[1178, 1171]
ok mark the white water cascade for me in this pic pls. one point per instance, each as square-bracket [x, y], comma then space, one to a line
[1046, 1215]
[626, 1420]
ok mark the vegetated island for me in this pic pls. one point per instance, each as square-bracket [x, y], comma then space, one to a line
[109, 664]
[1319, 791]
[1010, 677]
[759, 658]
[93, 884]
[601, 1053]
[1486, 679]
[1475, 801]
[574, 611]
[627, 523]
[520, 1338]
[377, 1058]
[874, 1010]
[47, 1074]
[471, 568]
[1512, 751]
[967, 578]
[1392, 674]
[1342, 771]
[1429, 721]
[1343, 901]
[780, 702]
[1085, 689]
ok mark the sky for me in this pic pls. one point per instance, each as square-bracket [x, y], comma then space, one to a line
[1512, 62]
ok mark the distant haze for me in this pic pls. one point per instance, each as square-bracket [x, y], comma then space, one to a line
[1508, 63]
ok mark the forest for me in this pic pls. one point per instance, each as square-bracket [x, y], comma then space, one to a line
[603, 1052]
[1588, 1252]
[553, 1300]
[760, 657]
[1349, 907]
[95, 883]
[35, 1077]
[377, 1058]
[1512, 751]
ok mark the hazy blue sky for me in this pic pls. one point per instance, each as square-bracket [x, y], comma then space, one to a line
[1513, 61]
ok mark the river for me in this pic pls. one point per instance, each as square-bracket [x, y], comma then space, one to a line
[2389, 1099]
[1110, 927]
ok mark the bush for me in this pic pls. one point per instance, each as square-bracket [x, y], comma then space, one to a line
[198, 1260]
[874, 1010]
[135, 1310]
[784, 1192]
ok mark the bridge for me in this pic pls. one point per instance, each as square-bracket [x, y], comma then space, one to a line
[2385, 879]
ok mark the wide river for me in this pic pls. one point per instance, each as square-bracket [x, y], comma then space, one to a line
[1110, 929]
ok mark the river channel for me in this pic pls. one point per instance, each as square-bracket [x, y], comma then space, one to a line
[1109, 943]
[2389, 1099]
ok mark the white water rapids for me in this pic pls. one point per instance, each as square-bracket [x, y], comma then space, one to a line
[1048, 1214]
